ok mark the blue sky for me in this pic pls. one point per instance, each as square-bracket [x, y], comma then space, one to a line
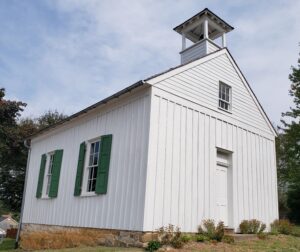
[68, 54]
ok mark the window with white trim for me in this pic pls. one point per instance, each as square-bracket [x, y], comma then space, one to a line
[49, 172]
[224, 96]
[92, 166]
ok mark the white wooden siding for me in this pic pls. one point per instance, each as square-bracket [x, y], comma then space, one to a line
[200, 84]
[184, 138]
[198, 50]
[123, 205]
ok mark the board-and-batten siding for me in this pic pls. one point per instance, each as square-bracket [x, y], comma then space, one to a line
[123, 205]
[200, 84]
[182, 161]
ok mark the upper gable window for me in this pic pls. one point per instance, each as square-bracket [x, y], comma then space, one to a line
[224, 96]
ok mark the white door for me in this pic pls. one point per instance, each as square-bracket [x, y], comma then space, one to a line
[221, 194]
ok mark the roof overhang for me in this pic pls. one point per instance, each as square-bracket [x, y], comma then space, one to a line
[194, 31]
[90, 108]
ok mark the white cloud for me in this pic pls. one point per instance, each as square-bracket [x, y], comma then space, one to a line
[98, 47]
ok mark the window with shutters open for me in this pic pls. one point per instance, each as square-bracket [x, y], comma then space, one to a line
[93, 166]
[48, 180]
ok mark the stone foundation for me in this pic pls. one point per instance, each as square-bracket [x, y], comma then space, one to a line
[37, 236]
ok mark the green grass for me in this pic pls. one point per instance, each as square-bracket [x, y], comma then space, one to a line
[7, 244]
[274, 243]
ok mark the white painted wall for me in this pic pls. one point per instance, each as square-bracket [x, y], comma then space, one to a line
[122, 207]
[181, 182]
[198, 50]
[165, 141]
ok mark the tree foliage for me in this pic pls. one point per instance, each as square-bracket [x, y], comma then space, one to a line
[288, 150]
[13, 153]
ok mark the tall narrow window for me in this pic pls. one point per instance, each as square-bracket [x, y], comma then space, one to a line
[93, 165]
[224, 96]
[49, 172]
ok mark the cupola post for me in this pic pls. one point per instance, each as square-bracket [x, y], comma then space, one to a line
[202, 30]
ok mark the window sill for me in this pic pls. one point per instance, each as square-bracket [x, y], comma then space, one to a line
[88, 194]
[46, 198]
[227, 111]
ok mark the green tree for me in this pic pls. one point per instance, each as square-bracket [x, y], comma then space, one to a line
[288, 149]
[13, 153]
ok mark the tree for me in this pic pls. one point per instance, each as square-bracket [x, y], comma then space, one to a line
[288, 150]
[13, 153]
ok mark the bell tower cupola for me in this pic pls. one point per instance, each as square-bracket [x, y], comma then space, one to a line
[202, 30]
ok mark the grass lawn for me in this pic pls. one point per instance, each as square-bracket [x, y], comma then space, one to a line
[7, 244]
[279, 243]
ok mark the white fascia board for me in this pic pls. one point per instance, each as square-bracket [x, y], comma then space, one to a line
[184, 67]
[180, 69]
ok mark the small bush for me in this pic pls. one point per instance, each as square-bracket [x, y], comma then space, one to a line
[244, 227]
[262, 236]
[228, 239]
[177, 243]
[171, 235]
[201, 238]
[210, 230]
[252, 226]
[281, 227]
[185, 238]
[153, 246]
[262, 228]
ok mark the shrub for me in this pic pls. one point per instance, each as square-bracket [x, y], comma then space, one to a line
[244, 227]
[262, 228]
[252, 226]
[262, 236]
[228, 239]
[212, 231]
[153, 246]
[185, 238]
[201, 238]
[171, 235]
[281, 227]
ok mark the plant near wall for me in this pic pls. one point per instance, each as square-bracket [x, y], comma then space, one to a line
[281, 227]
[171, 235]
[252, 227]
[210, 230]
[153, 246]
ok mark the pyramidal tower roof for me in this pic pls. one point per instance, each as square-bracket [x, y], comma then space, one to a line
[194, 31]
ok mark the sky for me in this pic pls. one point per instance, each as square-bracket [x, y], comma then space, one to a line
[69, 54]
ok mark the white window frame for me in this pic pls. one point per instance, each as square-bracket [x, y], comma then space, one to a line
[84, 187]
[225, 101]
[48, 175]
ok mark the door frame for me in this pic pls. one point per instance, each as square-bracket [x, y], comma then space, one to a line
[229, 167]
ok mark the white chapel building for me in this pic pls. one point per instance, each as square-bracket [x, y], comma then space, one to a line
[187, 144]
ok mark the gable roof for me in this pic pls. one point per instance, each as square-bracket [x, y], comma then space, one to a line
[4, 217]
[164, 75]
[157, 77]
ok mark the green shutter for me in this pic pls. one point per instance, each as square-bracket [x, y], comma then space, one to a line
[55, 173]
[39, 189]
[103, 166]
[80, 167]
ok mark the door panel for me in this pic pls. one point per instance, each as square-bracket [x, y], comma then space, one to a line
[221, 194]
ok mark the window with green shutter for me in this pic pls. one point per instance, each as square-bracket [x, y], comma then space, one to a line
[39, 190]
[80, 168]
[92, 171]
[57, 160]
[103, 165]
